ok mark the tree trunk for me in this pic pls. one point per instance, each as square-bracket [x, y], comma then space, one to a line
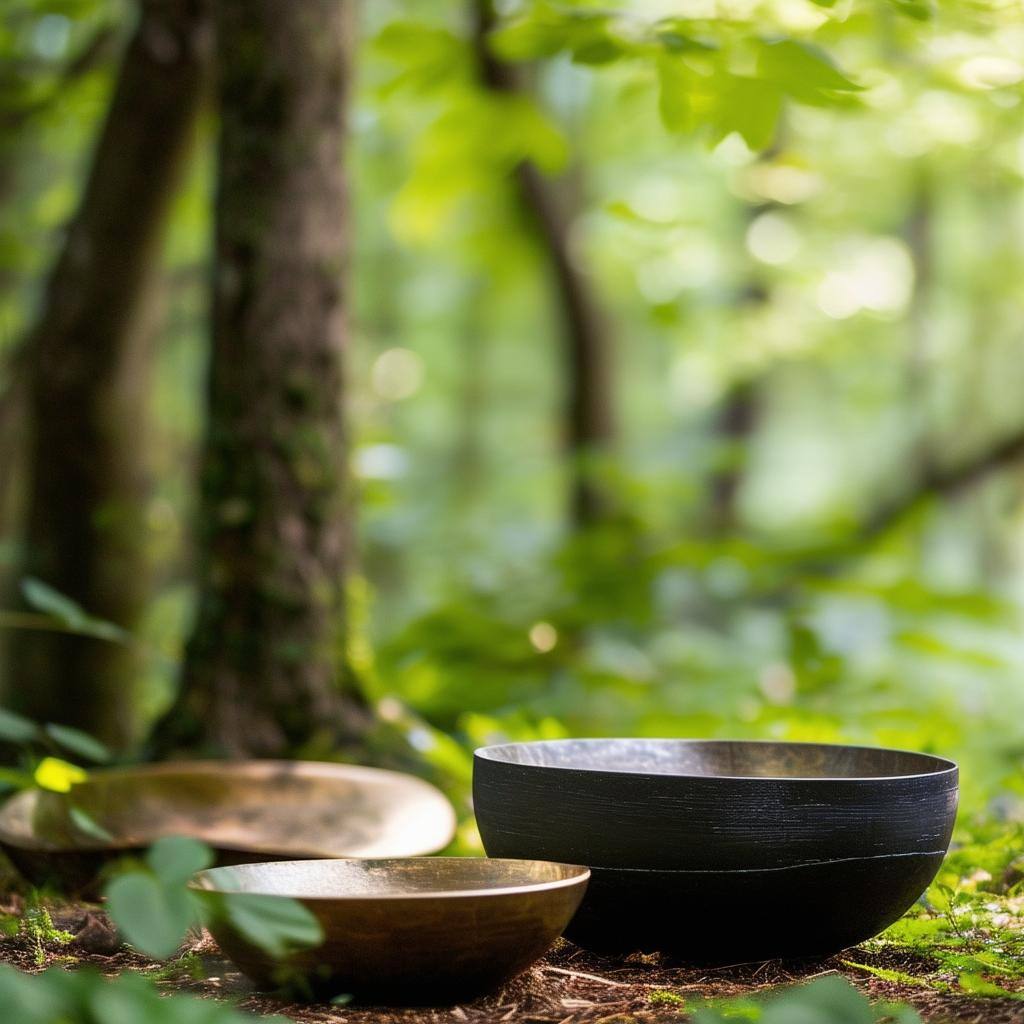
[265, 668]
[735, 426]
[739, 415]
[468, 460]
[589, 417]
[87, 390]
[919, 234]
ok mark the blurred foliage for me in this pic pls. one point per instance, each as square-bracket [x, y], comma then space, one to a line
[154, 907]
[968, 927]
[875, 348]
[87, 997]
[830, 1000]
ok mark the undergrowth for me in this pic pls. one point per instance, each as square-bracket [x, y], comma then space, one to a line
[969, 927]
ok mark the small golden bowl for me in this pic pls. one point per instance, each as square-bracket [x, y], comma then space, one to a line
[418, 930]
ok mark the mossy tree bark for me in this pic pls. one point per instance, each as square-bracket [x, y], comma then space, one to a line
[265, 669]
[87, 382]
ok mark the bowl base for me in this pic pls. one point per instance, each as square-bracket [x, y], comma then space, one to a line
[713, 918]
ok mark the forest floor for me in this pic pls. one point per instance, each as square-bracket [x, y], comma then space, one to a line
[569, 986]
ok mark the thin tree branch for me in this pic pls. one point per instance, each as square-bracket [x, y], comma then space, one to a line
[589, 426]
[944, 481]
[99, 47]
[939, 481]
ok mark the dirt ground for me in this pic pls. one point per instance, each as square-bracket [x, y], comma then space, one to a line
[569, 986]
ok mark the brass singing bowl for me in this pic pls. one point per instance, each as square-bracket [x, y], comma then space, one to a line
[418, 930]
[244, 810]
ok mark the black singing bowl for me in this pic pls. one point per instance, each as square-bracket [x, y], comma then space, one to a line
[723, 851]
[417, 930]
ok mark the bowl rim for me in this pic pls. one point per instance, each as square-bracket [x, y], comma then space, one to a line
[943, 766]
[257, 769]
[580, 875]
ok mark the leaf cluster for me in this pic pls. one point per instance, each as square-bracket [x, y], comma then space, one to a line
[155, 907]
[87, 997]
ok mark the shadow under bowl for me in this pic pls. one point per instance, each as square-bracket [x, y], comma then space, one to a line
[693, 842]
[244, 810]
[420, 931]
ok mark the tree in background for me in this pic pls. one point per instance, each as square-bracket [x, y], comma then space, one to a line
[88, 382]
[22, 107]
[588, 426]
[265, 667]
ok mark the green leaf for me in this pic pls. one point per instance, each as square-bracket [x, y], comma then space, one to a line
[175, 859]
[12, 778]
[690, 99]
[680, 35]
[28, 1000]
[597, 51]
[976, 985]
[919, 10]
[124, 1003]
[427, 58]
[16, 728]
[529, 38]
[58, 776]
[43, 598]
[154, 917]
[277, 925]
[88, 825]
[59, 996]
[684, 99]
[803, 72]
[592, 41]
[529, 134]
[749, 107]
[830, 1000]
[78, 742]
[890, 975]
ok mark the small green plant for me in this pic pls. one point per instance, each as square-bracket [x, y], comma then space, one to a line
[969, 927]
[663, 997]
[44, 746]
[44, 742]
[37, 926]
[188, 966]
[41, 762]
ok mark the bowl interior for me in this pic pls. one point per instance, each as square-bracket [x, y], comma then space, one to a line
[391, 878]
[718, 758]
[299, 808]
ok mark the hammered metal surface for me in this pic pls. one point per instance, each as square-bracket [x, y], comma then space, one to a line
[419, 930]
[243, 809]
